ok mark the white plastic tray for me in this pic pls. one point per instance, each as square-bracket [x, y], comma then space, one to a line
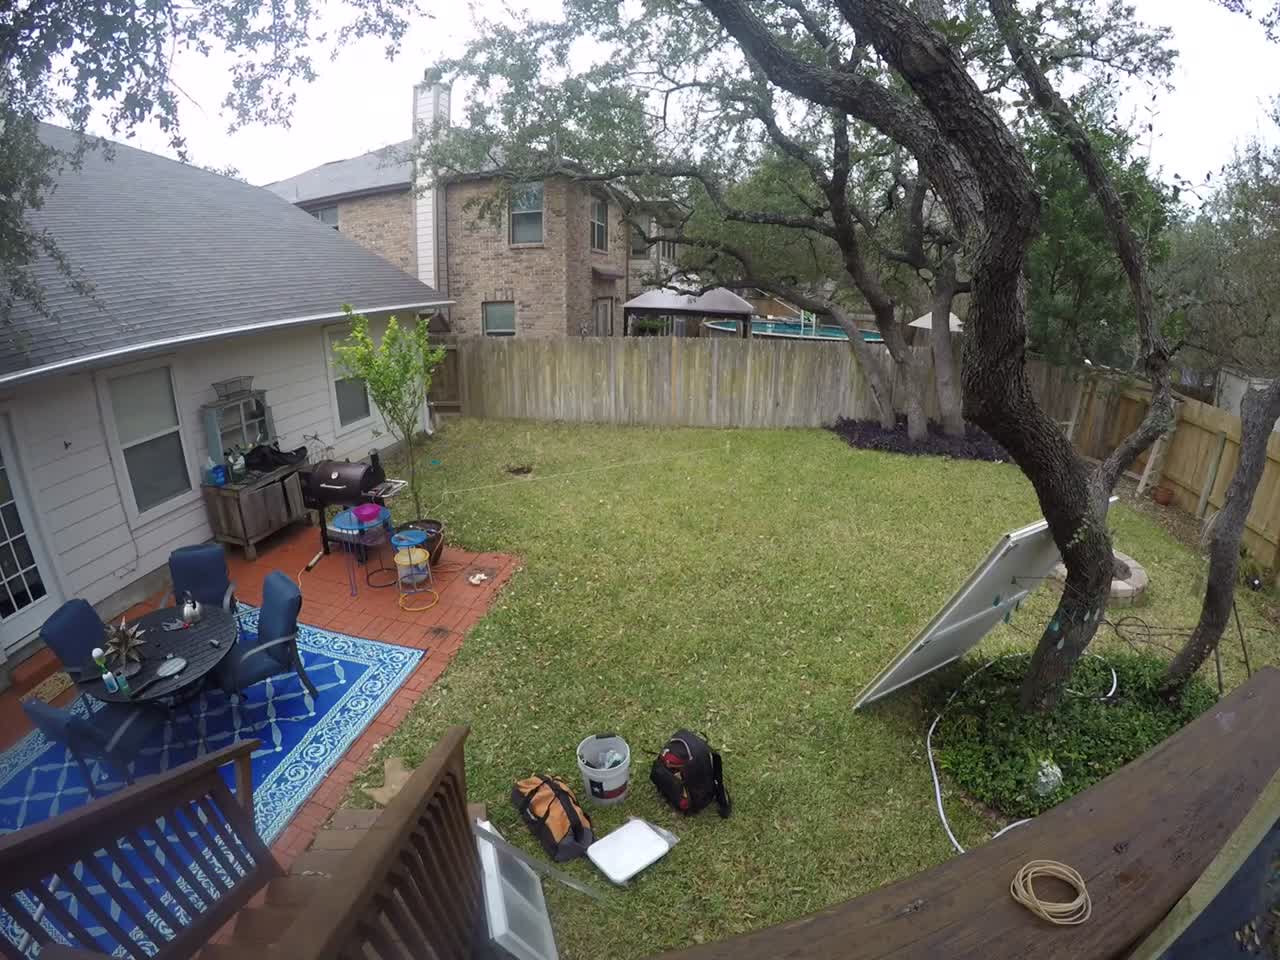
[629, 849]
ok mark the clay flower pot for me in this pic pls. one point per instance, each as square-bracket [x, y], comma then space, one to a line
[1162, 495]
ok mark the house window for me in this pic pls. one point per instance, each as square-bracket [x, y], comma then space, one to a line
[602, 317]
[327, 215]
[599, 224]
[498, 318]
[150, 436]
[526, 213]
[667, 249]
[639, 244]
[351, 396]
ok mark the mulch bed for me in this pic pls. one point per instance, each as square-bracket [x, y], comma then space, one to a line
[869, 435]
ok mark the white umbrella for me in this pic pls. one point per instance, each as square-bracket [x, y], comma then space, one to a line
[926, 323]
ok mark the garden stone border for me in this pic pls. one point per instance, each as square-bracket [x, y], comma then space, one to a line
[1124, 593]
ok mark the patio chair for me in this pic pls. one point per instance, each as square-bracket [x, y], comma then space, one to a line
[276, 649]
[201, 570]
[72, 632]
[112, 734]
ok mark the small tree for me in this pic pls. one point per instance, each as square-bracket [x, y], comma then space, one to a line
[397, 372]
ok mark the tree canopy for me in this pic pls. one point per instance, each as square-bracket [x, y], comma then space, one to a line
[1078, 296]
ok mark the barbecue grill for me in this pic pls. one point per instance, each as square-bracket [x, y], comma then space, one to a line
[343, 484]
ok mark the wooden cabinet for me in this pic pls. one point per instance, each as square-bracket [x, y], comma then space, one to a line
[250, 510]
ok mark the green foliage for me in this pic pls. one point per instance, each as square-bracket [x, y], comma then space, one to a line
[1079, 304]
[71, 59]
[397, 372]
[993, 749]
[1222, 279]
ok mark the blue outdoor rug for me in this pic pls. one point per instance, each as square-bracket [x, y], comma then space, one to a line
[301, 740]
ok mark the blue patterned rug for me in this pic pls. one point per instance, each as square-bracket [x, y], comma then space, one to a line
[301, 740]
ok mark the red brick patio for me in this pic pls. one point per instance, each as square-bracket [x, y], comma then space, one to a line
[374, 614]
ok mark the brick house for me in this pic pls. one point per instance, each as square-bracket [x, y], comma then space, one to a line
[560, 261]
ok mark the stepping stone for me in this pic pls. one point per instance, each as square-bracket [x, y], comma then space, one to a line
[394, 776]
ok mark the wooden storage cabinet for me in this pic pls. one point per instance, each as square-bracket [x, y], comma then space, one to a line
[248, 511]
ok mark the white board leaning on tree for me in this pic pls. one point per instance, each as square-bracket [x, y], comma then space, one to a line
[1015, 567]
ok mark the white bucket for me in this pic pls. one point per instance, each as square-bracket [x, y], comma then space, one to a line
[604, 785]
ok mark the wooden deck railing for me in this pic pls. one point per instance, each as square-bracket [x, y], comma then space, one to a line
[150, 871]
[411, 889]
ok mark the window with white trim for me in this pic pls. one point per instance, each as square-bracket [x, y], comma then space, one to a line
[326, 215]
[498, 318]
[149, 435]
[526, 213]
[350, 394]
[599, 224]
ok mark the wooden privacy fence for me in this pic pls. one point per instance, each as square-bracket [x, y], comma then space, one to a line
[1196, 461]
[675, 381]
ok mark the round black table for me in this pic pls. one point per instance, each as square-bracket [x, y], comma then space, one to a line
[203, 645]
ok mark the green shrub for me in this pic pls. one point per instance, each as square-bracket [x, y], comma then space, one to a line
[993, 750]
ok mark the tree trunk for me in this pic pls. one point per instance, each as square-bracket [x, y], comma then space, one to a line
[864, 355]
[1258, 414]
[944, 357]
[917, 378]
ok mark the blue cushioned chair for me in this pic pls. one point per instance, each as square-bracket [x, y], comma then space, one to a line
[201, 570]
[276, 649]
[113, 734]
[72, 633]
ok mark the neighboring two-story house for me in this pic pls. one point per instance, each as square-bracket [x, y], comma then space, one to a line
[560, 261]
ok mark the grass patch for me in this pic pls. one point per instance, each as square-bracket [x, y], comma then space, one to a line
[746, 584]
[993, 750]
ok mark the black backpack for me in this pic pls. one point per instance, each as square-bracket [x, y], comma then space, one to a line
[689, 774]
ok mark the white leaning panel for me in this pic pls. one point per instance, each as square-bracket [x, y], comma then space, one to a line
[1014, 568]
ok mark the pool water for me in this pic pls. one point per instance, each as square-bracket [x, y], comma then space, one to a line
[793, 330]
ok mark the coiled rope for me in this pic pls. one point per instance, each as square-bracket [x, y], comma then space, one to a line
[1061, 914]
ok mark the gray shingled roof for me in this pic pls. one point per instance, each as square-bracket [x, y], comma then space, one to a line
[175, 252]
[387, 168]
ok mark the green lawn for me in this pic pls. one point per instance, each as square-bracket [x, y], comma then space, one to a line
[745, 584]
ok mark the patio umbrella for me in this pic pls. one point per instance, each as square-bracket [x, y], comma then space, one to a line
[926, 323]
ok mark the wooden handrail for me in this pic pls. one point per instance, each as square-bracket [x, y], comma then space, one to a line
[34, 840]
[154, 870]
[420, 845]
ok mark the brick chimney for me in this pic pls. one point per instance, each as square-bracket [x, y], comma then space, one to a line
[430, 107]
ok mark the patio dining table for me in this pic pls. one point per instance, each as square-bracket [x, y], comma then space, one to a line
[202, 645]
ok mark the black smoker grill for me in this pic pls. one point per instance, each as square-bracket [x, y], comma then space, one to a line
[341, 484]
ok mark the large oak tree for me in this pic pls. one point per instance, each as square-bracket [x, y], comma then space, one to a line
[936, 81]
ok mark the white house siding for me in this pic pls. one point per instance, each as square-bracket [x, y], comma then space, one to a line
[64, 451]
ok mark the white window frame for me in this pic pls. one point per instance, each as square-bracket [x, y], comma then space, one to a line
[541, 212]
[330, 336]
[602, 225]
[124, 483]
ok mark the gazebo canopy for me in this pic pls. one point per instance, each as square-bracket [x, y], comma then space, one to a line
[715, 303]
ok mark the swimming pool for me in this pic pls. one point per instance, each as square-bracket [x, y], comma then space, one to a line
[792, 330]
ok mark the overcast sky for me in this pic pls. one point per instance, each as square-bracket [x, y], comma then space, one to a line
[1224, 81]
